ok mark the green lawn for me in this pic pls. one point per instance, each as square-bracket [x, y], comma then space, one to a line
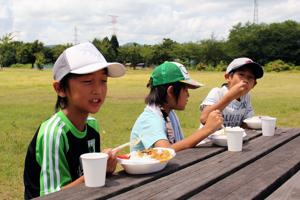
[27, 98]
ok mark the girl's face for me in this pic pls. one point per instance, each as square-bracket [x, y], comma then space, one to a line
[87, 93]
[243, 74]
[182, 99]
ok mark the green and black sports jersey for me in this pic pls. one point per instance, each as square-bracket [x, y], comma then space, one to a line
[53, 156]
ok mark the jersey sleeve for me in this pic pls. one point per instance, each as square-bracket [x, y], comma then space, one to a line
[51, 149]
[212, 97]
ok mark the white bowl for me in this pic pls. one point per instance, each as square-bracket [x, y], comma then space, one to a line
[220, 139]
[254, 122]
[144, 166]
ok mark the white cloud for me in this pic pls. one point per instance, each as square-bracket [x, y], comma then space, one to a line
[143, 21]
[6, 17]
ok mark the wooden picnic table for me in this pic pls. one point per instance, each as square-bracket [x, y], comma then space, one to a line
[266, 168]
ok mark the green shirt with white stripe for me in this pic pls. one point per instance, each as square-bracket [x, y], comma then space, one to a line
[58, 146]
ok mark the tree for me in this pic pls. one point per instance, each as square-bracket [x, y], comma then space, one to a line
[266, 42]
[39, 60]
[7, 50]
[131, 53]
[35, 47]
[114, 47]
[164, 52]
[104, 46]
[147, 54]
[23, 53]
[212, 52]
[242, 41]
[57, 50]
[188, 53]
[48, 54]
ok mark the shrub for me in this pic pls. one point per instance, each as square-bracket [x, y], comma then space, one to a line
[277, 66]
[201, 67]
[221, 67]
[20, 65]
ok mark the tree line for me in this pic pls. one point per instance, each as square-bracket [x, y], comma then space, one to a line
[264, 43]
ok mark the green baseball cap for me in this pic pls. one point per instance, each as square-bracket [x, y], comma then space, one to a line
[170, 72]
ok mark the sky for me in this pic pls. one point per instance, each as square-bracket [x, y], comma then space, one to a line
[141, 21]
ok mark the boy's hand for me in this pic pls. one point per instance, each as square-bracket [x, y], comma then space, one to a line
[238, 90]
[112, 160]
[214, 121]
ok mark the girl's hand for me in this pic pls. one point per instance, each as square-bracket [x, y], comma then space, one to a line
[112, 160]
[214, 121]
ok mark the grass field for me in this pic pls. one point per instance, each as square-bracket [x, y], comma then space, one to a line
[27, 98]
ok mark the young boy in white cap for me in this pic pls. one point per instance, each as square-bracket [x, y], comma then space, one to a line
[233, 97]
[53, 158]
[158, 125]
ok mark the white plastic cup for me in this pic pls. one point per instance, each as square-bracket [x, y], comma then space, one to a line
[268, 126]
[94, 168]
[234, 138]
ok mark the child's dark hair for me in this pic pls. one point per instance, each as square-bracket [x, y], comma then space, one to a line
[158, 94]
[62, 102]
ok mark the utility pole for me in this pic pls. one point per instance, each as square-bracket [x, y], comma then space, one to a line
[255, 12]
[114, 22]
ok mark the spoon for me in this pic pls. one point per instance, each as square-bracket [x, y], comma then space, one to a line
[223, 128]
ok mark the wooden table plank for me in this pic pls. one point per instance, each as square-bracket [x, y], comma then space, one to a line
[289, 190]
[259, 179]
[123, 182]
[193, 179]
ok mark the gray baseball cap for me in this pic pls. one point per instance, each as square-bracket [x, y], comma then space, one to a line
[84, 58]
[241, 62]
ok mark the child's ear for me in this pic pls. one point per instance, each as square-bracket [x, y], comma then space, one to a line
[255, 82]
[170, 91]
[58, 89]
[226, 76]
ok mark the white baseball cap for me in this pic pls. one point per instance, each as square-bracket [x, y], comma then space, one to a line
[84, 58]
[241, 62]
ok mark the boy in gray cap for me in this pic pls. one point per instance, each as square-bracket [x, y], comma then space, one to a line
[233, 97]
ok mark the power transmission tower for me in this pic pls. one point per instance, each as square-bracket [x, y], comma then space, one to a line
[114, 22]
[255, 12]
[75, 35]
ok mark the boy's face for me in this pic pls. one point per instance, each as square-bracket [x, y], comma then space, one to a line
[243, 74]
[87, 93]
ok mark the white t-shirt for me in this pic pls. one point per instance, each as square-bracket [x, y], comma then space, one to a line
[235, 112]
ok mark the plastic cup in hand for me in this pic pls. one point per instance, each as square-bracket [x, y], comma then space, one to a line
[234, 138]
[94, 168]
[268, 126]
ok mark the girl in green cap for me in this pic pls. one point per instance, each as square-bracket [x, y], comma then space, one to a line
[158, 125]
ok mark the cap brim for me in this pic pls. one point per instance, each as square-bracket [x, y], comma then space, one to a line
[256, 68]
[192, 84]
[114, 69]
